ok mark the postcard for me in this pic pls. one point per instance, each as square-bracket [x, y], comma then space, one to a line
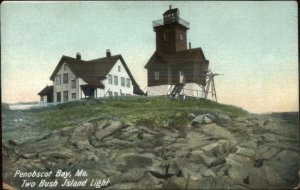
[149, 95]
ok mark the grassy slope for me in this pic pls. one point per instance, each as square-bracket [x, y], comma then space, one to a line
[154, 111]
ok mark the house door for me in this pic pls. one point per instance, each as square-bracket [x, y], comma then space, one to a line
[181, 77]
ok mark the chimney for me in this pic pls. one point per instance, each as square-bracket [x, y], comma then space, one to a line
[78, 56]
[170, 7]
[108, 54]
[190, 46]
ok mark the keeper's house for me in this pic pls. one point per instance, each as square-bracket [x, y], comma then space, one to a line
[75, 79]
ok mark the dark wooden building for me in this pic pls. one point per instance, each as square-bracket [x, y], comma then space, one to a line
[174, 63]
[46, 94]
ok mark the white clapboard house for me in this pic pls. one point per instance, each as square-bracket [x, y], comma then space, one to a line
[75, 79]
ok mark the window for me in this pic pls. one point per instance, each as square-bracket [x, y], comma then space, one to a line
[73, 95]
[65, 78]
[58, 96]
[110, 94]
[57, 79]
[128, 83]
[109, 79]
[115, 93]
[65, 67]
[122, 81]
[115, 80]
[42, 98]
[156, 75]
[119, 68]
[65, 96]
[165, 37]
[181, 37]
[73, 83]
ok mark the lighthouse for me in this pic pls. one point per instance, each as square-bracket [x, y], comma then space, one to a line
[175, 68]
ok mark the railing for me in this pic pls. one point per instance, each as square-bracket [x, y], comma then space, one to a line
[106, 93]
[187, 91]
[169, 91]
[170, 20]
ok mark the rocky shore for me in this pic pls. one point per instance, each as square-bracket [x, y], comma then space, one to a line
[214, 151]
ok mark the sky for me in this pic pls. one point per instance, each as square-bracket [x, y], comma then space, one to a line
[252, 44]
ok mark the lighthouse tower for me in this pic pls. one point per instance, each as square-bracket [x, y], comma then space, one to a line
[175, 69]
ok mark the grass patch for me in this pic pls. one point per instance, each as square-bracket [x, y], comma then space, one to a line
[145, 111]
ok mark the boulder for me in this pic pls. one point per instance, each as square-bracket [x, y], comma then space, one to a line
[130, 175]
[223, 170]
[282, 174]
[209, 149]
[190, 169]
[203, 119]
[208, 173]
[269, 153]
[249, 143]
[222, 117]
[258, 179]
[288, 157]
[149, 182]
[182, 153]
[109, 130]
[88, 156]
[245, 151]
[130, 133]
[60, 153]
[80, 135]
[172, 168]
[274, 137]
[224, 148]
[117, 143]
[13, 142]
[207, 160]
[216, 131]
[29, 155]
[203, 183]
[66, 131]
[138, 161]
[194, 139]
[222, 182]
[239, 167]
[175, 183]
[192, 115]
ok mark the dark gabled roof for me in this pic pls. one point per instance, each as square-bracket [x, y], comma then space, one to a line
[170, 11]
[97, 68]
[46, 91]
[182, 57]
[94, 70]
